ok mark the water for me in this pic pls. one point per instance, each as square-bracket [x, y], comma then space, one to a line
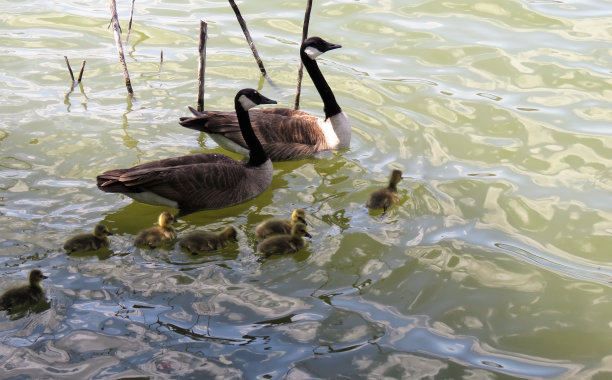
[495, 263]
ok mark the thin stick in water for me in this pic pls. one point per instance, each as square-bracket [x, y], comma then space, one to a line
[69, 68]
[301, 69]
[117, 32]
[81, 72]
[202, 63]
[248, 37]
[130, 24]
[161, 60]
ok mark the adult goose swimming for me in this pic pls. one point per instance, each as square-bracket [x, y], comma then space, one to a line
[285, 134]
[199, 181]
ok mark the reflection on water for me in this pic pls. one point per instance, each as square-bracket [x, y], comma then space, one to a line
[495, 262]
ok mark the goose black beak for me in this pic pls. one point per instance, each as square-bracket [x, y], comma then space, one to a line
[44, 276]
[265, 100]
[308, 235]
[302, 220]
[331, 46]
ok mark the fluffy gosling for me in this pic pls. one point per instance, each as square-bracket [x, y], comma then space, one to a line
[284, 244]
[276, 226]
[25, 295]
[158, 235]
[203, 241]
[387, 196]
[88, 242]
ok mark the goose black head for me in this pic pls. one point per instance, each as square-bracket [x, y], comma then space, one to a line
[249, 98]
[315, 46]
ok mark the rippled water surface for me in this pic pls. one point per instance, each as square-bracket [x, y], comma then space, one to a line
[496, 262]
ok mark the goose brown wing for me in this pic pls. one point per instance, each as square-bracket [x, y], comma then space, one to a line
[195, 186]
[271, 125]
[113, 181]
[289, 151]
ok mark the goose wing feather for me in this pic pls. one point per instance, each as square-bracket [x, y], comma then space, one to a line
[197, 182]
[271, 125]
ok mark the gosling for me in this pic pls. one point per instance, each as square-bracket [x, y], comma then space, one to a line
[25, 295]
[155, 236]
[203, 241]
[276, 226]
[88, 242]
[387, 196]
[284, 244]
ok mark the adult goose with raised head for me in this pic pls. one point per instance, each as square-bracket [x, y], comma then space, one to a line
[199, 181]
[284, 133]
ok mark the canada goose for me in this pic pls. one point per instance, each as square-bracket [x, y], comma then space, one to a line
[25, 295]
[88, 242]
[284, 244]
[276, 226]
[203, 241]
[199, 181]
[387, 196]
[285, 134]
[156, 236]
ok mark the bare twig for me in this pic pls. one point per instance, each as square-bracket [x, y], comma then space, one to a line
[69, 68]
[202, 64]
[251, 43]
[301, 69]
[161, 60]
[117, 32]
[248, 37]
[130, 24]
[81, 72]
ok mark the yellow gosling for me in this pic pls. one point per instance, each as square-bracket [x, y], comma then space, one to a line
[88, 242]
[284, 244]
[158, 235]
[276, 226]
[203, 241]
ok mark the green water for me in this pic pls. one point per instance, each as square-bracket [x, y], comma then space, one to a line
[495, 263]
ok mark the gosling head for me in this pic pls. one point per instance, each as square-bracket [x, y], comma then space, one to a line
[230, 233]
[396, 177]
[299, 229]
[101, 231]
[165, 219]
[315, 46]
[36, 276]
[299, 215]
[248, 98]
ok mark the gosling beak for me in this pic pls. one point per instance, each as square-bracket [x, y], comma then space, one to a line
[308, 235]
[302, 220]
[44, 276]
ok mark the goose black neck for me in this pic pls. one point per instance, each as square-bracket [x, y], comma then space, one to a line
[330, 106]
[257, 155]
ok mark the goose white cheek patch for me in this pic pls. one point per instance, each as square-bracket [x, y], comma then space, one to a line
[246, 103]
[312, 52]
